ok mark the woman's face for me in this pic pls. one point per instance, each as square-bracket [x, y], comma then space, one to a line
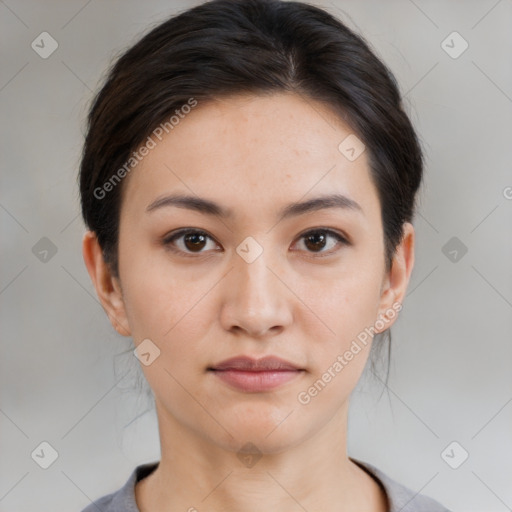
[258, 282]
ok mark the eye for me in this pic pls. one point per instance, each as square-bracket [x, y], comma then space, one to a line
[188, 241]
[317, 240]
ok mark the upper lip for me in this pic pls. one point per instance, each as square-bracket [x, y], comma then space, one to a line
[247, 363]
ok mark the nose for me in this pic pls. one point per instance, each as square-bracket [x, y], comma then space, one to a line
[256, 302]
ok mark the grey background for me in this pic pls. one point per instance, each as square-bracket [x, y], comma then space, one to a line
[68, 379]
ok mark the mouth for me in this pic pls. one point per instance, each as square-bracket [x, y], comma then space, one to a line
[256, 375]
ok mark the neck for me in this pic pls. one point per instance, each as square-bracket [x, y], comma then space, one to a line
[196, 474]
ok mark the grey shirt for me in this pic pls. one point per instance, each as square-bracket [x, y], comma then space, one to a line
[401, 499]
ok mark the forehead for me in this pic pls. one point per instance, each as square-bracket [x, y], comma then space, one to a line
[262, 149]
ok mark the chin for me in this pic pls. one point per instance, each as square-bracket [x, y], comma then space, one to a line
[266, 434]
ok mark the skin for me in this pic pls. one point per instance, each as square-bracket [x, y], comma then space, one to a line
[254, 155]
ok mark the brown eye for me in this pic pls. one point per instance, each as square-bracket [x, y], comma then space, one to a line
[194, 241]
[316, 241]
[188, 242]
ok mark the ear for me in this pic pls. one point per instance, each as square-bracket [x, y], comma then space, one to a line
[395, 282]
[106, 284]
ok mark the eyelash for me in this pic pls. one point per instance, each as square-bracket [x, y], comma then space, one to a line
[172, 237]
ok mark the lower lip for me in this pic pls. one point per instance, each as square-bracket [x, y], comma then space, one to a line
[256, 381]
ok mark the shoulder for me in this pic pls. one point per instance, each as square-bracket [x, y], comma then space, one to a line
[103, 504]
[123, 500]
[401, 498]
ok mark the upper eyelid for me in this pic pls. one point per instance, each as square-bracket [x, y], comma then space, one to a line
[331, 231]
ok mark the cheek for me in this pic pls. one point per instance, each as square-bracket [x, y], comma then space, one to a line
[159, 307]
[349, 309]
[345, 303]
[340, 338]
[175, 310]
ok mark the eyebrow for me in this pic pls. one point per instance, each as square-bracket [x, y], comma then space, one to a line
[209, 207]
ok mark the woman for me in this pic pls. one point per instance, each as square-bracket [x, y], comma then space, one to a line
[248, 182]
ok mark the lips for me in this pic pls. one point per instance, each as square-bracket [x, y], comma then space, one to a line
[250, 375]
[248, 364]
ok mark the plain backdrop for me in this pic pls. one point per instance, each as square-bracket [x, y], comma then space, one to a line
[67, 379]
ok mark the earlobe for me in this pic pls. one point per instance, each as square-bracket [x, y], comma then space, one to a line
[397, 279]
[107, 286]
